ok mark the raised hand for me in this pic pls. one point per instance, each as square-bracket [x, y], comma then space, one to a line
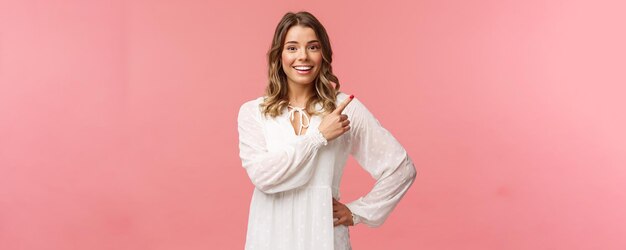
[335, 124]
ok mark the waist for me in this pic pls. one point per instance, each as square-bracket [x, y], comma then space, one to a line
[333, 190]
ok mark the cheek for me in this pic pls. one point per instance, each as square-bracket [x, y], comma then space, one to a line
[317, 58]
[286, 60]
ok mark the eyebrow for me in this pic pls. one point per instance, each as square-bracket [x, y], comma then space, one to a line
[312, 41]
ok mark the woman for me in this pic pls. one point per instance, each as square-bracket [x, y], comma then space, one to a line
[294, 143]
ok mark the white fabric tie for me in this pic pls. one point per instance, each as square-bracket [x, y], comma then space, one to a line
[302, 115]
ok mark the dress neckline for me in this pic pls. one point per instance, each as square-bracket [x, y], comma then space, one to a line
[303, 115]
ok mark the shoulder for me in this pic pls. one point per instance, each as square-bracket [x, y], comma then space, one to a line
[252, 103]
[341, 96]
[251, 107]
[355, 106]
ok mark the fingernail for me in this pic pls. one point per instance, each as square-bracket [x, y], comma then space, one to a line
[351, 96]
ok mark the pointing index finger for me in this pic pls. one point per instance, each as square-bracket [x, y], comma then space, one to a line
[343, 105]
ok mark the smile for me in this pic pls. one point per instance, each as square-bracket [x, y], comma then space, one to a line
[303, 69]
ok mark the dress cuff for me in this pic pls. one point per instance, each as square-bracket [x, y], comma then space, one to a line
[318, 139]
[355, 219]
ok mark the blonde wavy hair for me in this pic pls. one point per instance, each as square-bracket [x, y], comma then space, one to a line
[276, 98]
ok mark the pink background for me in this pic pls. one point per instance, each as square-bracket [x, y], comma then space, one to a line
[118, 120]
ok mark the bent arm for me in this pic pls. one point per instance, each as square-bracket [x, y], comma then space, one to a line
[285, 168]
[381, 155]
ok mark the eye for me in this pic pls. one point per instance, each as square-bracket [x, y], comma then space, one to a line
[314, 47]
[291, 48]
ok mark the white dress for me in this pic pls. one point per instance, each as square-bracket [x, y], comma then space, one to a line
[296, 176]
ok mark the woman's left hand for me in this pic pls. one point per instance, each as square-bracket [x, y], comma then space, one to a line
[342, 214]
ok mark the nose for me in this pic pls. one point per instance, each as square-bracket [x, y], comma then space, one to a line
[303, 55]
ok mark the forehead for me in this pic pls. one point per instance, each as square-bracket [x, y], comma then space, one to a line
[300, 34]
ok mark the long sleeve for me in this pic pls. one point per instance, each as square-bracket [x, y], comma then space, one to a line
[274, 171]
[382, 156]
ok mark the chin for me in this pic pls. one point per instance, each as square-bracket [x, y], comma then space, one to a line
[304, 82]
[301, 81]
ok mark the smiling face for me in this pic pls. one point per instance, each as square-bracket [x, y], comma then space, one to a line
[301, 55]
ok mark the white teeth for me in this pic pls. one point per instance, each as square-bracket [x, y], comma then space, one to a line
[303, 67]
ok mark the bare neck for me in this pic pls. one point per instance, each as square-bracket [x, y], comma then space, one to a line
[299, 94]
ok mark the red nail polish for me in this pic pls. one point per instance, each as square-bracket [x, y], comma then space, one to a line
[351, 96]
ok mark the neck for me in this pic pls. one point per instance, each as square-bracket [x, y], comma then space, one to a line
[299, 94]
